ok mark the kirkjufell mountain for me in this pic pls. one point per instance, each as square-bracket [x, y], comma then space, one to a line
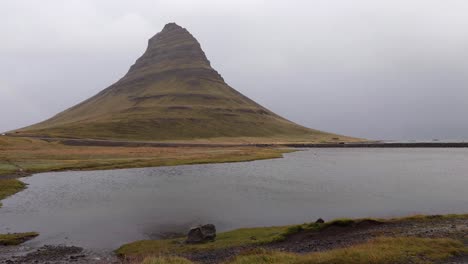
[172, 93]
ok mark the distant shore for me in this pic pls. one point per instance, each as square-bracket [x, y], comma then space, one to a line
[21, 156]
[384, 145]
[364, 144]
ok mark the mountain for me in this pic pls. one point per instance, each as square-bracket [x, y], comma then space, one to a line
[172, 93]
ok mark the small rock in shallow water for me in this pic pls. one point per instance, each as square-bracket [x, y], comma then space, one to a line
[201, 234]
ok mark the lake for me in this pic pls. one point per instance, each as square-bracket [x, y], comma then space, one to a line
[105, 209]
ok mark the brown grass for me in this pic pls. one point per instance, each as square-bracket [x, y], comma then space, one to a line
[34, 155]
[384, 250]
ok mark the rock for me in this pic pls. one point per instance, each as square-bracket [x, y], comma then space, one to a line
[320, 221]
[195, 235]
[77, 256]
[209, 231]
[201, 234]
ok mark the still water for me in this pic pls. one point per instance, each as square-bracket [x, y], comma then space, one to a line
[104, 209]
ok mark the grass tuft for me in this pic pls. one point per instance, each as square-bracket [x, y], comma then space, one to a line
[429, 217]
[16, 238]
[318, 227]
[342, 222]
[9, 187]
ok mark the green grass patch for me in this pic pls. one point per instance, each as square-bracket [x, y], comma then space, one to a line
[344, 222]
[6, 168]
[9, 187]
[16, 238]
[239, 237]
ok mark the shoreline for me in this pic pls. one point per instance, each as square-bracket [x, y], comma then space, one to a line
[432, 238]
[24, 156]
[384, 145]
[330, 240]
[339, 144]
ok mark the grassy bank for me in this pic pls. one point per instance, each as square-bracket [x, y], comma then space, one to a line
[255, 243]
[239, 237]
[9, 187]
[27, 155]
[16, 238]
[384, 250]
[235, 238]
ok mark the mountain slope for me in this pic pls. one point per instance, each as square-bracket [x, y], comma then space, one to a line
[171, 93]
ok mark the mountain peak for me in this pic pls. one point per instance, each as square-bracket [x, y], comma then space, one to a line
[171, 26]
[172, 48]
[170, 93]
[171, 32]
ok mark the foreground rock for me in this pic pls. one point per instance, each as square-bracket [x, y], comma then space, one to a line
[201, 234]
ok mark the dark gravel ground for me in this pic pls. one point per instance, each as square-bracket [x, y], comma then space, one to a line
[56, 254]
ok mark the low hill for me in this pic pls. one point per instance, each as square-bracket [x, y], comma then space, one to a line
[172, 93]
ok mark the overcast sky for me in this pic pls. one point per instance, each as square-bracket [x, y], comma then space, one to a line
[395, 69]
